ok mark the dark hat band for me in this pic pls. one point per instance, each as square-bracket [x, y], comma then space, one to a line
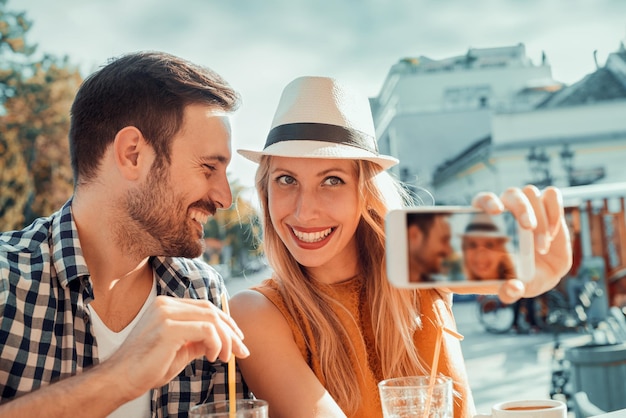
[481, 227]
[321, 132]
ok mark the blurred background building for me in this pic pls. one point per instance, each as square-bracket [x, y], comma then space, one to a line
[491, 118]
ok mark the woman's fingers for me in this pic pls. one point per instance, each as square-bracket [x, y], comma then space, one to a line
[511, 291]
[542, 230]
[488, 202]
[518, 203]
[553, 204]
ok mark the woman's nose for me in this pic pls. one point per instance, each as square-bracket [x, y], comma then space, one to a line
[306, 204]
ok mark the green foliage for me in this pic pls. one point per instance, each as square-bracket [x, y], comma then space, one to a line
[236, 232]
[14, 50]
[35, 98]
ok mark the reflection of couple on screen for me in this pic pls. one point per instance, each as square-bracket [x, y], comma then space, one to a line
[484, 250]
[429, 245]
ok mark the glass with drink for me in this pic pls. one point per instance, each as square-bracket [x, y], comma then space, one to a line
[416, 397]
[245, 408]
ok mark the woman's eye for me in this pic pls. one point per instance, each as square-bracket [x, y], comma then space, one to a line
[333, 181]
[285, 179]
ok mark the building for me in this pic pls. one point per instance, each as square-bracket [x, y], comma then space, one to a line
[491, 118]
[574, 136]
[431, 110]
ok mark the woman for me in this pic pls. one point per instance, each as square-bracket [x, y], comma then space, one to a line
[485, 252]
[327, 327]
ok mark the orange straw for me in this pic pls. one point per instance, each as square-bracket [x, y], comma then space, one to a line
[232, 401]
[435, 365]
[433, 371]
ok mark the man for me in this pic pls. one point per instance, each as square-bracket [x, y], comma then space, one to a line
[97, 312]
[429, 245]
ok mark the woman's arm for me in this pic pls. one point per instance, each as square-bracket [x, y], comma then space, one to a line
[275, 370]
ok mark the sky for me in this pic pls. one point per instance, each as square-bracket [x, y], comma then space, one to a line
[261, 45]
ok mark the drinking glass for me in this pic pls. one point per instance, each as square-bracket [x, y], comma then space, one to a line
[245, 408]
[414, 397]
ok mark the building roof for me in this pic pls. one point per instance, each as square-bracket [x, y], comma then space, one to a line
[606, 83]
[621, 52]
[475, 58]
[477, 151]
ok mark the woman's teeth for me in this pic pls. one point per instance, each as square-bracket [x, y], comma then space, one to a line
[312, 236]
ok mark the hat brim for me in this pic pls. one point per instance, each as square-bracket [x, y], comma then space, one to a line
[318, 149]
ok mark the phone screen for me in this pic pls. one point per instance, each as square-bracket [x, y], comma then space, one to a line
[452, 247]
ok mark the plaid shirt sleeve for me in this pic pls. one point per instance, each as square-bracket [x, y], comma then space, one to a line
[44, 334]
[201, 381]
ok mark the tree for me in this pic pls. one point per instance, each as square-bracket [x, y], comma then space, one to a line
[35, 98]
[239, 229]
[13, 49]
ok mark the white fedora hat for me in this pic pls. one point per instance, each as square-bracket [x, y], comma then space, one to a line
[483, 225]
[317, 117]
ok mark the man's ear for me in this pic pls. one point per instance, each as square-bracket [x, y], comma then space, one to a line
[131, 152]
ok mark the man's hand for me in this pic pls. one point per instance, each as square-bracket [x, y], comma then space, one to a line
[173, 332]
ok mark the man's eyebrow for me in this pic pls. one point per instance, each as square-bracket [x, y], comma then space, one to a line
[213, 158]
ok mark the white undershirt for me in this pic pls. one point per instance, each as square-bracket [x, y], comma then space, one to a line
[108, 343]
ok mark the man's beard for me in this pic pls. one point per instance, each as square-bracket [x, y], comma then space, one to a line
[433, 265]
[158, 212]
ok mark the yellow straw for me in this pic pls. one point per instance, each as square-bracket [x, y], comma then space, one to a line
[433, 371]
[453, 333]
[232, 397]
[435, 365]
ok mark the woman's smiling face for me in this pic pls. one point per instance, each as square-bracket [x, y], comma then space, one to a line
[314, 208]
[483, 256]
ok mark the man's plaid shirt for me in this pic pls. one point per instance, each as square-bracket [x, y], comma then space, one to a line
[45, 326]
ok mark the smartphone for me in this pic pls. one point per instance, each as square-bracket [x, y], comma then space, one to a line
[455, 246]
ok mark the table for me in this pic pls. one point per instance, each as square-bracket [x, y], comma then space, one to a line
[615, 414]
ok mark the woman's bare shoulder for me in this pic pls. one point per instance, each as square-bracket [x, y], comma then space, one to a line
[251, 305]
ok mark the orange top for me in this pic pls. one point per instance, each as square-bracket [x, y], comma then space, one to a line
[365, 358]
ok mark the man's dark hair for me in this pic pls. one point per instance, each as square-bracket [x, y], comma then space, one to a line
[147, 90]
[424, 221]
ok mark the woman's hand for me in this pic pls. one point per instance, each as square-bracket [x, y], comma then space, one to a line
[541, 212]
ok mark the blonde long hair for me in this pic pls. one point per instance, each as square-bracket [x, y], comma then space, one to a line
[394, 312]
